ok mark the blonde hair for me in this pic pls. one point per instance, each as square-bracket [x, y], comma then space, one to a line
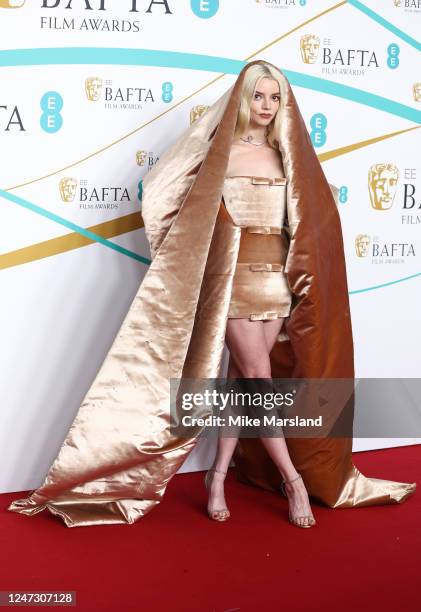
[252, 76]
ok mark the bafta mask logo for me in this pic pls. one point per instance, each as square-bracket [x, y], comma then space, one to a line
[93, 88]
[309, 45]
[416, 90]
[11, 3]
[197, 111]
[382, 181]
[362, 245]
[397, 3]
[67, 188]
[141, 157]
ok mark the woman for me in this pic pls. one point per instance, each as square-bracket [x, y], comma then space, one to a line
[121, 450]
[260, 299]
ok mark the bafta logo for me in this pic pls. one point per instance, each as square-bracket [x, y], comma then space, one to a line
[141, 157]
[11, 3]
[67, 188]
[197, 111]
[362, 244]
[93, 88]
[382, 181]
[309, 45]
[416, 90]
[397, 3]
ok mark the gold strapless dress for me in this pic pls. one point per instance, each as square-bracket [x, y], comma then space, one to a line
[260, 289]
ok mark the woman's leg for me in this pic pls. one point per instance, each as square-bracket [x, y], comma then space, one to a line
[278, 451]
[250, 343]
[244, 338]
[224, 452]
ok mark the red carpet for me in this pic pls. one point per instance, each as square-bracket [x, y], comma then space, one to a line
[177, 560]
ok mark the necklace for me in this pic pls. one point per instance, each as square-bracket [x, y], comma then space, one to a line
[250, 138]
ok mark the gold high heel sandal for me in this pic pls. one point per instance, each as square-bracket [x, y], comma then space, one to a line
[223, 513]
[291, 519]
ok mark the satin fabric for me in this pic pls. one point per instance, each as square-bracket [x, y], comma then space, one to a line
[254, 201]
[260, 289]
[116, 461]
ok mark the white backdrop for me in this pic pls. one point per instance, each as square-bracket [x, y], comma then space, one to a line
[91, 93]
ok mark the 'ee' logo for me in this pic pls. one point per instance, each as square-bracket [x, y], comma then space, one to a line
[318, 124]
[51, 104]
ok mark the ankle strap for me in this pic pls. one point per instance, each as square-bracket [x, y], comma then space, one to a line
[293, 480]
[215, 470]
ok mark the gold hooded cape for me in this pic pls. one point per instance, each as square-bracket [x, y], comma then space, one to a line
[119, 455]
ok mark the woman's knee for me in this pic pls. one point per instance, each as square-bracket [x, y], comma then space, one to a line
[249, 367]
[256, 368]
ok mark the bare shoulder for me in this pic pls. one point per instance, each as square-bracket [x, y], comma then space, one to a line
[236, 149]
[236, 145]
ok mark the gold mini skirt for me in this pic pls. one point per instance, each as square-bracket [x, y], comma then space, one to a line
[260, 288]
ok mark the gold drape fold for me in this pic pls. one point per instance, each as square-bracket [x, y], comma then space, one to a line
[118, 456]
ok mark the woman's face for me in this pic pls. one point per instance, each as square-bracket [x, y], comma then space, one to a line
[265, 102]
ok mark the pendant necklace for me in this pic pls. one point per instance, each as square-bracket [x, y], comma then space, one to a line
[250, 138]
